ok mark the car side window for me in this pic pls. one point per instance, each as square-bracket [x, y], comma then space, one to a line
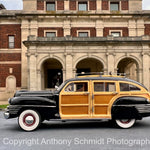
[128, 87]
[77, 87]
[104, 87]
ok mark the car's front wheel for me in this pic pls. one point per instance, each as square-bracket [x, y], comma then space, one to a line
[29, 120]
[125, 123]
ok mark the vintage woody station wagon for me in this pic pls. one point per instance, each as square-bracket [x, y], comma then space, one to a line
[87, 97]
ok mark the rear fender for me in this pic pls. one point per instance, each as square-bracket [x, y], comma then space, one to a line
[125, 107]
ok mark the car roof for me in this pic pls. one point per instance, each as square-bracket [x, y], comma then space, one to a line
[106, 78]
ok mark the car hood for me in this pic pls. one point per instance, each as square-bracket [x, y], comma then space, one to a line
[34, 94]
[33, 98]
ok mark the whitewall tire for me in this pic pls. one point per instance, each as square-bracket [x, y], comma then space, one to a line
[125, 123]
[29, 120]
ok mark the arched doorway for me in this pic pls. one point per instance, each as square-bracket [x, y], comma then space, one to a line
[51, 74]
[11, 83]
[89, 65]
[130, 67]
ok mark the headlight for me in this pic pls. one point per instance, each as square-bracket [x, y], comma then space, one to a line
[9, 100]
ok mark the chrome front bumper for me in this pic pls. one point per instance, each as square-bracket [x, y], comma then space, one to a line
[11, 111]
[6, 115]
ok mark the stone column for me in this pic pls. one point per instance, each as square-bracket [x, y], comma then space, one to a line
[140, 27]
[67, 27]
[99, 5]
[25, 34]
[105, 71]
[64, 74]
[132, 28]
[69, 67]
[146, 67]
[110, 62]
[99, 28]
[115, 71]
[74, 72]
[39, 78]
[66, 5]
[140, 75]
[33, 27]
[29, 5]
[32, 73]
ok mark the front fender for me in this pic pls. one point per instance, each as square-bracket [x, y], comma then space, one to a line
[31, 101]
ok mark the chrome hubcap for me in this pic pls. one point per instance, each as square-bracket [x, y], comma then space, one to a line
[125, 121]
[29, 120]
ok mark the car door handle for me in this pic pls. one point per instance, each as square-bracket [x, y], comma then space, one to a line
[86, 93]
[115, 93]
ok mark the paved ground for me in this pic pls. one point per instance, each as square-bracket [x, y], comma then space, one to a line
[74, 136]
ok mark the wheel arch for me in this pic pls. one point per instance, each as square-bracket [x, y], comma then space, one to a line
[46, 113]
[125, 107]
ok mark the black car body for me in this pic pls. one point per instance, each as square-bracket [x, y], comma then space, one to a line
[84, 98]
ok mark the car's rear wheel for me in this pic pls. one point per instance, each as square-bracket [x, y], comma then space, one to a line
[125, 123]
[29, 120]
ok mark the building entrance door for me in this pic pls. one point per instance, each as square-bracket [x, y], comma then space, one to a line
[52, 74]
[54, 77]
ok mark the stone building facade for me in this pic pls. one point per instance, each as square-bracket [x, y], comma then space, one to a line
[50, 41]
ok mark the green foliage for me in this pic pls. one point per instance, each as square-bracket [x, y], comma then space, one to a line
[3, 106]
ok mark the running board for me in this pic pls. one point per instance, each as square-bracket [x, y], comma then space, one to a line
[65, 120]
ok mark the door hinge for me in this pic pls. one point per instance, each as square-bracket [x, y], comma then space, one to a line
[92, 96]
[92, 109]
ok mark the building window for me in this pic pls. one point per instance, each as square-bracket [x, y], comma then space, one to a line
[82, 6]
[50, 6]
[11, 41]
[50, 34]
[82, 34]
[114, 6]
[115, 34]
